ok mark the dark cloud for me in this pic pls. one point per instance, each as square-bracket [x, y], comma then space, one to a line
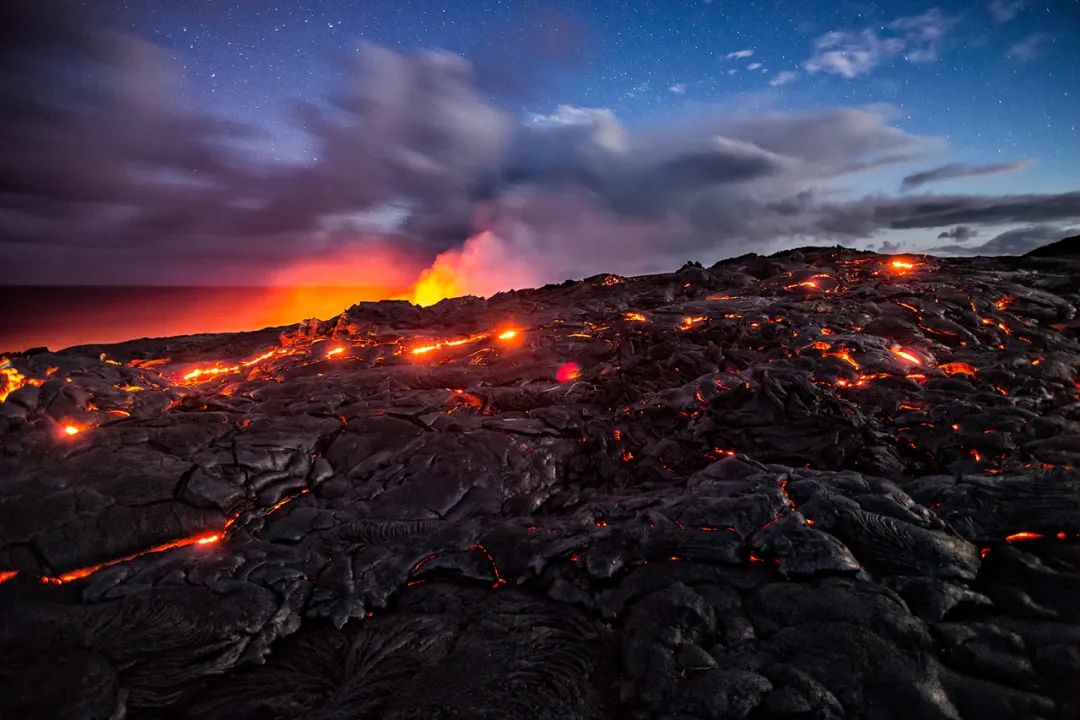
[861, 218]
[108, 177]
[1012, 242]
[953, 171]
[960, 233]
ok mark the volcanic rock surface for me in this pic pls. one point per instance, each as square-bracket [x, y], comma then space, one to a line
[822, 484]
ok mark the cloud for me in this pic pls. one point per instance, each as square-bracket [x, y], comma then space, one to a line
[106, 177]
[861, 218]
[678, 88]
[850, 54]
[753, 66]
[1027, 49]
[960, 233]
[1012, 242]
[953, 171]
[784, 77]
[1004, 10]
[739, 54]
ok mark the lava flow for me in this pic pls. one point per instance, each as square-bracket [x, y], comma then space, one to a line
[80, 573]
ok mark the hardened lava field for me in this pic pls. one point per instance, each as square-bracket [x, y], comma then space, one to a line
[822, 484]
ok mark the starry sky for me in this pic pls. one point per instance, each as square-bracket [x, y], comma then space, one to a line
[228, 139]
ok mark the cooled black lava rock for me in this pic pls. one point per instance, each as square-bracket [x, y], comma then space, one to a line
[823, 484]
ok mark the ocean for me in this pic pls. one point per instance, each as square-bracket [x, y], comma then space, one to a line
[61, 316]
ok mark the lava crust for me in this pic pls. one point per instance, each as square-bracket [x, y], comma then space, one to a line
[822, 484]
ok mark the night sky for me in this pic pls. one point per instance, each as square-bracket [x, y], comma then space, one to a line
[217, 142]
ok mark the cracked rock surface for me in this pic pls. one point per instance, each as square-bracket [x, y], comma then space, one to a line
[821, 484]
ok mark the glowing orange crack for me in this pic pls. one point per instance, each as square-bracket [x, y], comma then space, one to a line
[690, 321]
[1021, 536]
[423, 349]
[203, 374]
[79, 573]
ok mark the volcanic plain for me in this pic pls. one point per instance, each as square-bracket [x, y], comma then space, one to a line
[820, 484]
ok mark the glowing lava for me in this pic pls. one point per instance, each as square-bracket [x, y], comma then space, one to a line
[204, 374]
[79, 573]
[906, 356]
[11, 379]
[958, 368]
[72, 429]
[424, 349]
[902, 266]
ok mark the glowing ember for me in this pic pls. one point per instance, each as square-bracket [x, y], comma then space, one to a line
[689, 322]
[71, 429]
[336, 351]
[507, 335]
[958, 368]
[568, 372]
[635, 317]
[1022, 536]
[6, 575]
[812, 284]
[906, 356]
[78, 574]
